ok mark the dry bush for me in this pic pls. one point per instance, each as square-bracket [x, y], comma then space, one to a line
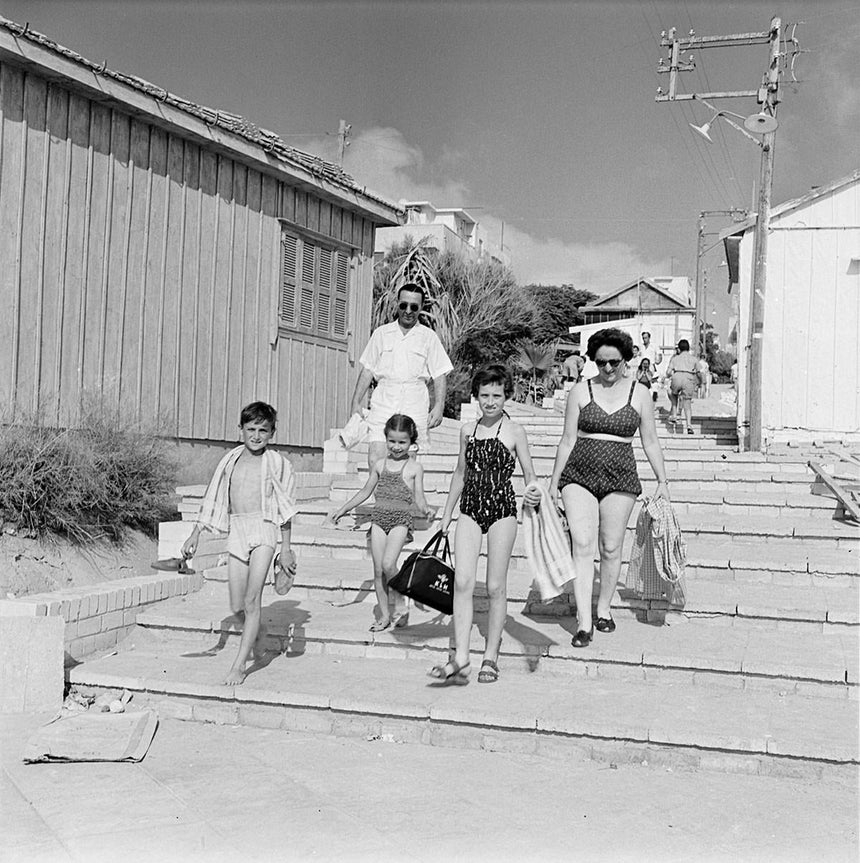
[87, 483]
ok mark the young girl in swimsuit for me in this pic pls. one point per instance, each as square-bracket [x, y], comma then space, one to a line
[397, 483]
[482, 484]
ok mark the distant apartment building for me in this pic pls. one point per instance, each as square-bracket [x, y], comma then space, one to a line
[445, 229]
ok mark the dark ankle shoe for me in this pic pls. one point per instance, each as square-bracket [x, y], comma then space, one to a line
[582, 638]
[605, 624]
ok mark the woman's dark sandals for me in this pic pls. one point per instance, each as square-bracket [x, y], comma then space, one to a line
[283, 577]
[582, 638]
[489, 672]
[604, 624]
[457, 676]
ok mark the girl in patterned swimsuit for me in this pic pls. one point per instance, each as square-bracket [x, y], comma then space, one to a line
[397, 484]
[488, 453]
[595, 472]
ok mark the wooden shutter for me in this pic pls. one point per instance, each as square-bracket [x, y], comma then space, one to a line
[324, 292]
[314, 287]
[341, 295]
[289, 260]
[306, 305]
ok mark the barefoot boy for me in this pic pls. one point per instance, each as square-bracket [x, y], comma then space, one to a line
[249, 498]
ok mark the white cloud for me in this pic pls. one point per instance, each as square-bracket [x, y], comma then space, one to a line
[599, 267]
[385, 162]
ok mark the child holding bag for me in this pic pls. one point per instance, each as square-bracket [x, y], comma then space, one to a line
[397, 483]
[482, 484]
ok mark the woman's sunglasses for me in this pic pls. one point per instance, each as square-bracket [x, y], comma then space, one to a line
[413, 307]
[613, 364]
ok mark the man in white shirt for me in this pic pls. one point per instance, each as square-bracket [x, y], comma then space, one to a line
[402, 357]
[651, 352]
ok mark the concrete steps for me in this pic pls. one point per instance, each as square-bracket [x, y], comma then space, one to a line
[763, 479]
[710, 603]
[719, 557]
[781, 561]
[781, 502]
[319, 686]
[759, 673]
[699, 522]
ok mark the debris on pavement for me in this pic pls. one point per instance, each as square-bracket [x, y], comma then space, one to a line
[88, 735]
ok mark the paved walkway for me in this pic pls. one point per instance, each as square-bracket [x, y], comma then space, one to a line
[212, 793]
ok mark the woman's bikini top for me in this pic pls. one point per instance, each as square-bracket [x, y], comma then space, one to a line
[624, 422]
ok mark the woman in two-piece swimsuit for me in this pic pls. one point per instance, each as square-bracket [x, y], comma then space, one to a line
[482, 484]
[397, 485]
[595, 472]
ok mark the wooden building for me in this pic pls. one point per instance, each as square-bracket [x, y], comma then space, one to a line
[811, 350]
[657, 305]
[177, 259]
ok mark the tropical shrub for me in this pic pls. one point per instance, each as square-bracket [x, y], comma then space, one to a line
[535, 360]
[557, 308]
[721, 366]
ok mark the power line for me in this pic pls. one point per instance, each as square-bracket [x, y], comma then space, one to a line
[702, 74]
[705, 154]
[697, 162]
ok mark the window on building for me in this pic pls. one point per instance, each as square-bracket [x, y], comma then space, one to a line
[314, 287]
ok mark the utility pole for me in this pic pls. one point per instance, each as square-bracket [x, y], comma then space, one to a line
[762, 228]
[767, 95]
[700, 300]
[343, 134]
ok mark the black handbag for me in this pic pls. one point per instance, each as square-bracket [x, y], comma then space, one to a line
[427, 577]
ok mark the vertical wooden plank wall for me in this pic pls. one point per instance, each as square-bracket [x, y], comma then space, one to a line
[139, 266]
[811, 358]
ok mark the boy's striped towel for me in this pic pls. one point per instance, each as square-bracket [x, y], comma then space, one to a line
[276, 491]
[547, 546]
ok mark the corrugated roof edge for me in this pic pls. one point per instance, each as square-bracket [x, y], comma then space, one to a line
[598, 306]
[792, 204]
[266, 140]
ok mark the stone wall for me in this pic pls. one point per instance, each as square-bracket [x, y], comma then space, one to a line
[97, 617]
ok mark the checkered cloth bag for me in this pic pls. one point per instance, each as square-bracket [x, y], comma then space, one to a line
[659, 557]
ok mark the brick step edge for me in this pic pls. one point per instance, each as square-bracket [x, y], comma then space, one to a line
[695, 561]
[442, 726]
[566, 665]
[651, 610]
[315, 515]
[99, 616]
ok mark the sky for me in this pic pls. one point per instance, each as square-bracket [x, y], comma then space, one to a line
[539, 118]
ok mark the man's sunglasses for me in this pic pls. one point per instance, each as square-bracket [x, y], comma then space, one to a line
[413, 307]
[613, 364]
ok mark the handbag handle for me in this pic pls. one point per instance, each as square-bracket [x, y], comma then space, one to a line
[435, 541]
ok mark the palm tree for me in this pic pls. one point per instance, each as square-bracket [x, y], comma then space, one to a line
[536, 358]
